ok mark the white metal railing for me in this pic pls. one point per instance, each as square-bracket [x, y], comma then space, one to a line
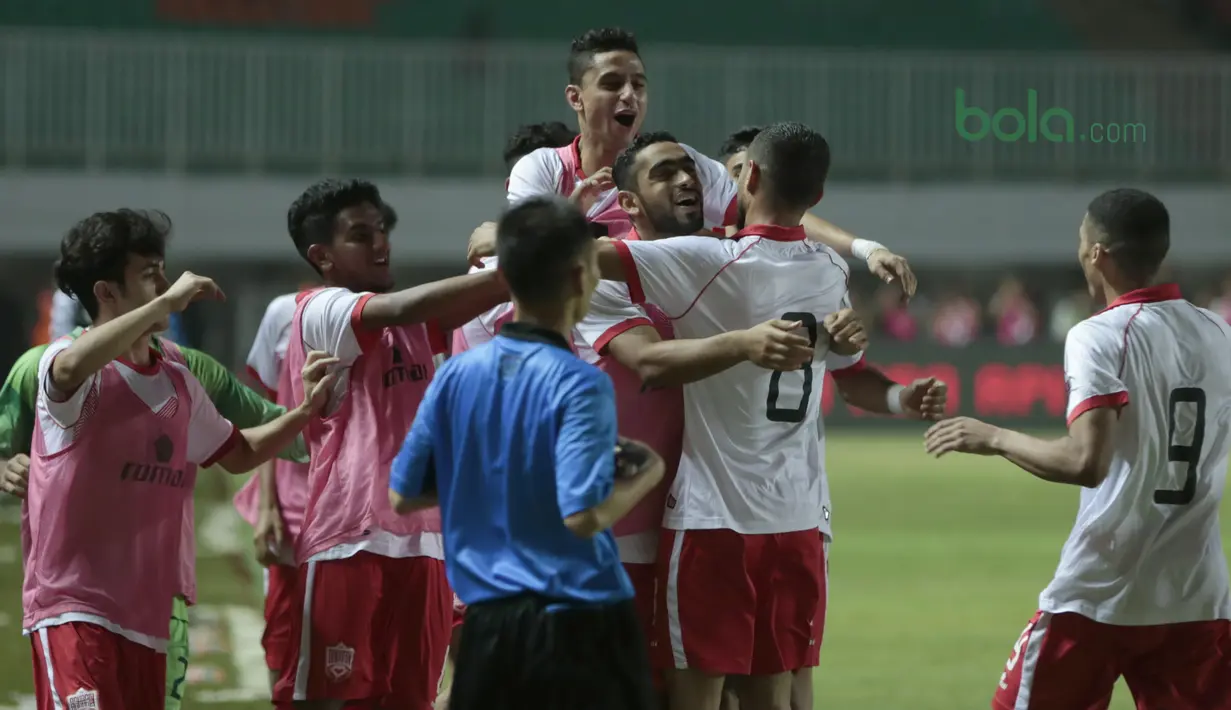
[197, 103]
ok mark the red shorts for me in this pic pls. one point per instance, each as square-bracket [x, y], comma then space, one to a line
[1070, 662]
[732, 604]
[818, 623]
[81, 665]
[282, 605]
[644, 578]
[377, 631]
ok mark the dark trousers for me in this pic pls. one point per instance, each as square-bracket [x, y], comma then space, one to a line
[530, 652]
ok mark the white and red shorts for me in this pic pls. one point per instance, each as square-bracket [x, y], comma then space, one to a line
[83, 665]
[282, 605]
[377, 631]
[1071, 662]
[732, 604]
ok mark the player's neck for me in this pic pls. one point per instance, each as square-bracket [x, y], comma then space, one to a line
[768, 214]
[553, 319]
[1111, 293]
[645, 230]
[596, 153]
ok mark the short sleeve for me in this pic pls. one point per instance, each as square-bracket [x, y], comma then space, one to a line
[64, 408]
[672, 273]
[269, 347]
[332, 323]
[478, 331]
[538, 173]
[585, 446]
[1092, 356]
[210, 435]
[413, 472]
[611, 312]
[718, 190]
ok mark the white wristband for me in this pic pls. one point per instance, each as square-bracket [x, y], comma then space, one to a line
[893, 399]
[863, 248]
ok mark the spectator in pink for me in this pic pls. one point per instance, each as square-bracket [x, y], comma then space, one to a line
[896, 320]
[956, 322]
[1017, 320]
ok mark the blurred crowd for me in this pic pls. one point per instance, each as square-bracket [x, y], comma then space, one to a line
[1012, 311]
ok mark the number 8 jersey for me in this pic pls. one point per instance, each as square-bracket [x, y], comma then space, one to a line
[752, 460]
[1146, 548]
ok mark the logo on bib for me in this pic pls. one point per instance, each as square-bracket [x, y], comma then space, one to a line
[83, 700]
[339, 661]
[163, 448]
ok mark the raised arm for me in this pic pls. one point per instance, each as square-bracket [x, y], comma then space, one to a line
[449, 302]
[101, 344]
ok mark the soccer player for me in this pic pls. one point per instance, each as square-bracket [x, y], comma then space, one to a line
[1141, 590]
[532, 136]
[235, 402]
[747, 495]
[104, 555]
[608, 91]
[273, 500]
[735, 148]
[376, 609]
[517, 440]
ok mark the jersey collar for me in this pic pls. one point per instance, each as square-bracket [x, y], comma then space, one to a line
[534, 334]
[1151, 294]
[772, 231]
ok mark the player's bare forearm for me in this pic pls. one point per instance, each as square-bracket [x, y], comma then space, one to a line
[830, 235]
[403, 505]
[670, 363]
[267, 473]
[1081, 458]
[450, 302]
[101, 344]
[260, 444]
[867, 389]
[625, 495]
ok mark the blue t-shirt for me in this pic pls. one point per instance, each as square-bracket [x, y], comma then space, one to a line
[515, 436]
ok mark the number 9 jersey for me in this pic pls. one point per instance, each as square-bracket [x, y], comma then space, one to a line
[1146, 548]
[752, 460]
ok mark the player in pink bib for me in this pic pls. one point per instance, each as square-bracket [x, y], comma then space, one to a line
[376, 609]
[118, 433]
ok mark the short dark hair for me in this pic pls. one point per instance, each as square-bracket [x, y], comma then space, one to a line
[97, 249]
[622, 171]
[537, 240]
[311, 218]
[737, 141]
[1136, 229]
[795, 161]
[389, 216]
[532, 136]
[592, 42]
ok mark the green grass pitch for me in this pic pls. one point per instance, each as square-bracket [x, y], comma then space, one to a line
[935, 569]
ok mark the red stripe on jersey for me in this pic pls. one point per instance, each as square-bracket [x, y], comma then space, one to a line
[1098, 401]
[610, 334]
[366, 337]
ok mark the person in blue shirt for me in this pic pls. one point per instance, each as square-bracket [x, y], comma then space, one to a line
[516, 441]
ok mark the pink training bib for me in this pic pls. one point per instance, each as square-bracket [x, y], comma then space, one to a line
[353, 448]
[609, 213]
[107, 514]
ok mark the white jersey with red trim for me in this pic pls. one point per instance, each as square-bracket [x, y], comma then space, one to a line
[1147, 548]
[753, 459]
[269, 347]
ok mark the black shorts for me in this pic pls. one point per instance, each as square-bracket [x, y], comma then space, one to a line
[532, 652]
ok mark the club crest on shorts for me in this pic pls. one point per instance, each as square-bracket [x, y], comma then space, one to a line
[83, 700]
[339, 661]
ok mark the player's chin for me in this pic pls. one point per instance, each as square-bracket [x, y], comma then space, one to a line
[690, 218]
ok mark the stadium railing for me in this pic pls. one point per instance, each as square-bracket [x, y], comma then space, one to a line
[204, 103]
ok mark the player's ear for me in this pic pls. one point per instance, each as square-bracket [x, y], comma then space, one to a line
[629, 203]
[318, 255]
[572, 94]
[104, 292]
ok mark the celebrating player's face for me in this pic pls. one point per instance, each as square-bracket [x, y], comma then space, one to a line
[668, 190]
[144, 280]
[358, 258]
[735, 164]
[611, 99]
